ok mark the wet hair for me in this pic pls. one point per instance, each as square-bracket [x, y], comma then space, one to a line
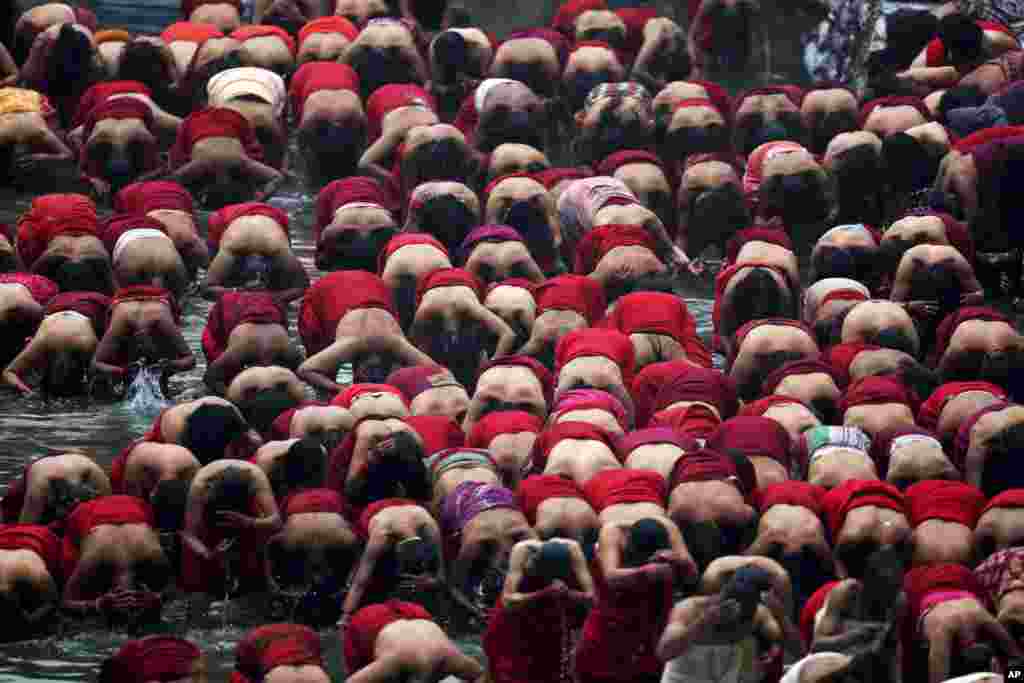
[937, 282]
[963, 39]
[261, 410]
[444, 159]
[378, 67]
[399, 473]
[616, 288]
[306, 463]
[63, 496]
[417, 555]
[503, 125]
[860, 182]
[910, 166]
[72, 66]
[757, 297]
[1002, 464]
[209, 429]
[752, 130]
[16, 329]
[168, 500]
[957, 97]
[737, 23]
[460, 352]
[230, 490]
[645, 538]
[714, 216]
[142, 61]
[907, 33]
[553, 562]
[614, 131]
[331, 149]
[799, 198]
[857, 263]
[766, 365]
[745, 586]
[66, 374]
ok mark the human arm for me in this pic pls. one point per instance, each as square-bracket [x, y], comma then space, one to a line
[183, 358]
[228, 364]
[32, 357]
[376, 548]
[321, 369]
[268, 517]
[8, 69]
[110, 348]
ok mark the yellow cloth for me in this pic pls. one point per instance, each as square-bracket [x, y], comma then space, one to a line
[21, 101]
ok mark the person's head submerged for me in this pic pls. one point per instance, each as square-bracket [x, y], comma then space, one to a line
[210, 429]
[645, 538]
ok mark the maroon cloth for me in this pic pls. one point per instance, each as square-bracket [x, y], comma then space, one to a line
[881, 445]
[98, 512]
[388, 98]
[763, 405]
[627, 443]
[50, 216]
[153, 658]
[497, 423]
[153, 195]
[113, 227]
[555, 434]
[221, 220]
[895, 101]
[313, 77]
[601, 240]
[413, 381]
[361, 635]
[877, 390]
[551, 177]
[37, 538]
[370, 511]
[100, 92]
[610, 344]
[841, 356]
[213, 122]
[93, 305]
[798, 493]
[488, 233]
[338, 193]
[944, 333]
[949, 501]
[931, 410]
[659, 313]
[449, 277]
[273, 645]
[624, 487]
[574, 293]
[753, 436]
[962, 442]
[538, 488]
[333, 296]
[42, 289]
[853, 494]
[696, 421]
[542, 374]
[710, 465]
[438, 432]
[238, 308]
[757, 233]
[118, 108]
[316, 500]
[1013, 498]
[647, 385]
[799, 367]
[700, 384]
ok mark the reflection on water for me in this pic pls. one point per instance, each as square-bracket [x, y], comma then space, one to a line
[27, 426]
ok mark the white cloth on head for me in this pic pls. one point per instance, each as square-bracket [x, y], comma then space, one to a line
[792, 674]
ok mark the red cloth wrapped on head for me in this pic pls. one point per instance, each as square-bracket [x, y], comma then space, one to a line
[351, 190]
[601, 240]
[50, 216]
[895, 101]
[438, 432]
[153, 195]
[855, 493]
[413, 381]
[449, 277]
[267, 647]
[314, 501]
[42, 288]
[753, 436]
[495, 424]
[944, 333]
[190, 32]
[648, 382]
[360, 636]
[237, 308]
[610, 344]
[213, 122]
[878, 390]
[222, 219]
[763, 405]
[841, 356]
[695, 421]
[624, 487]
[100, 92]
[799, 367]
[551, 177]
[555, 434]
[332, 297]
[882, 444]
[577, 293]
[931, 410]
[249, 31]
[757, 233]
[113, 227]
[388, 98]
[331, 24]
[37, 538]
[568, 12]
[346, 398]
[710, 465]
[98, 512]
[810, 610]
[700, 384]
[542, 374]
[538, 488]
[949, 501]
[652, 436]
[313, 77]
[659, 313]
[153, 658]
[798, 493]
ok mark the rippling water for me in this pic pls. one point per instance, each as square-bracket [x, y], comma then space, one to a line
[29, 425]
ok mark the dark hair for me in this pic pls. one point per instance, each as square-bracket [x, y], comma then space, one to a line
[960, 96]
[229, 490]
[757, 297]
[963, 39]
[860, 180]
[304, 466]
[210, 428]
[645, 537]
[72, 66]
[169, 499]
[910, 166]
[766, 365]
[1002, 465]
[142, 61]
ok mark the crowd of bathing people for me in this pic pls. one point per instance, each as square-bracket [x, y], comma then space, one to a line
[535, 437]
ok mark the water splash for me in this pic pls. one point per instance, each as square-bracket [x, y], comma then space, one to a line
[144, 395]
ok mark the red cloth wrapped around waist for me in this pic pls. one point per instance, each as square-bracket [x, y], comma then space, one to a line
[349, 190]
[621, 486]
[577, 293]
[949, 501]
[147, 293]
[659, 313]
[366, 516]
[388, 98]
[944, 333]
[273, 645]
[538, 488]
[100, 92]
[214, 122]
[93, 305]
[366, 625]
[437, 432]
[596, 244]
[853, 494]
[931, 410]
[334, 296]
[555, 434]
[42, 289]
[37, 538]
[222, 219]
[334, 24]
[316, 500]
[798, 493]
[315, 76]
[722, 283]
[118, 109]
[247, 32]
[115, 509]
[234, 309]
[50, 216]
[190, 32]
[119, 464]
[962, 442]
[153, 195]
[117, 225]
